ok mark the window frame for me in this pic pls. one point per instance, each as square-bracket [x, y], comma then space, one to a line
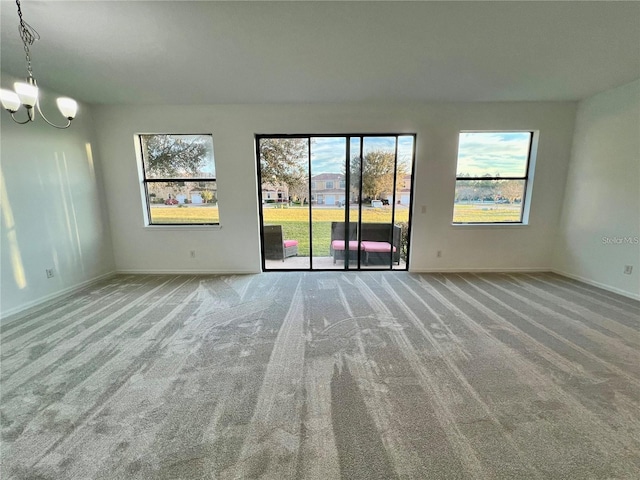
[146, 181]
[527, 178]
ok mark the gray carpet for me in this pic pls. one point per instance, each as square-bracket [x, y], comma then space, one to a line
[327, 375]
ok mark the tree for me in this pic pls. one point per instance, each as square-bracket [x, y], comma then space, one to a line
[465, 191]
[486, 188]
[511, 189]
[170, 156]
[283, 161]
[377, 173]
[299, 191]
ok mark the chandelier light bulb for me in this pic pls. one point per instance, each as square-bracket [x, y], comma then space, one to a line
[27, 93]
[10, 100]
[68, 107]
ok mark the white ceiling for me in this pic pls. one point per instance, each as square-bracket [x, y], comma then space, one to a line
[166, 52]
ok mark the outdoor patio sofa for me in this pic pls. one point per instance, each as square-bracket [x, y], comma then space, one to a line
[377, 242]
[275, 246]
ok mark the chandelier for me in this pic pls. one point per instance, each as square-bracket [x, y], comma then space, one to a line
[26, 93]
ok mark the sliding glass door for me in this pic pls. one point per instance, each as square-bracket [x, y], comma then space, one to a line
[335, 201]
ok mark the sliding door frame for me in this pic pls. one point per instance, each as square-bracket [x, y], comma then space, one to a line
[348, 137]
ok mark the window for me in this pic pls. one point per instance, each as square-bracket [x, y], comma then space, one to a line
[492, 176]
[179, 179]
[328, 185]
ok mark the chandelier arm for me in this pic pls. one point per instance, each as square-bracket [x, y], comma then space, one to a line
[46, 120]
[13, 117]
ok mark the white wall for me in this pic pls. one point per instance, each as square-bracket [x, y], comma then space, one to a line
[602, 199]
[235, 246]
[53, 213]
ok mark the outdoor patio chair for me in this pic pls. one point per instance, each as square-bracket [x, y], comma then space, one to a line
[338, 243]
[275, 246]
[337, 247]
[376, 248]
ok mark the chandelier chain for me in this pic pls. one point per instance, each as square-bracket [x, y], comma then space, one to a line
[29, 35]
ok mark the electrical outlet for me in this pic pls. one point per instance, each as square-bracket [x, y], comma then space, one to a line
[628, 269]
[193, 254]
[49, 272]
[423, 209]
[439, 253]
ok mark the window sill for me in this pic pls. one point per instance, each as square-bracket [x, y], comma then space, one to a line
[489, 225]
[182, 227]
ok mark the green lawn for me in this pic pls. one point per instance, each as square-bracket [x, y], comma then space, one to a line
[295, 223]
[485, 213]
[185, 214]
[295, 220]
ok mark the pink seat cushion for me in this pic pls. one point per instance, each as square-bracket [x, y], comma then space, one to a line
[339, 245]
[377, 247]
[290, 243]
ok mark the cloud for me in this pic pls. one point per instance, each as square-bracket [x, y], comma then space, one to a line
[503, 153]
[328, 153]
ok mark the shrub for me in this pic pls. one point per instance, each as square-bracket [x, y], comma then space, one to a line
[404, 239]
[207, 196]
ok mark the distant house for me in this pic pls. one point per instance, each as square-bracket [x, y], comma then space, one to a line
[181, 191]
[403, 193]
[328, 189]
[274, 193]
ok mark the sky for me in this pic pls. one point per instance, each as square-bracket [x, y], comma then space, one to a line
[479, 153]
[503, 153]
[328, 153]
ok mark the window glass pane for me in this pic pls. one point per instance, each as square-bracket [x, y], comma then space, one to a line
[488, 201]
[284, 172]
[403, 180]
[378, 168]
[328, 157]
[403, 192]
[178, 156]
[354, 187]
[493, 154]
[378, 191]
[183, 202]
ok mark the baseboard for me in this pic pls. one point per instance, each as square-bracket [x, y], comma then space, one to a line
[481, 270]
[53, 297]
[186, 272]
[597, 284]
